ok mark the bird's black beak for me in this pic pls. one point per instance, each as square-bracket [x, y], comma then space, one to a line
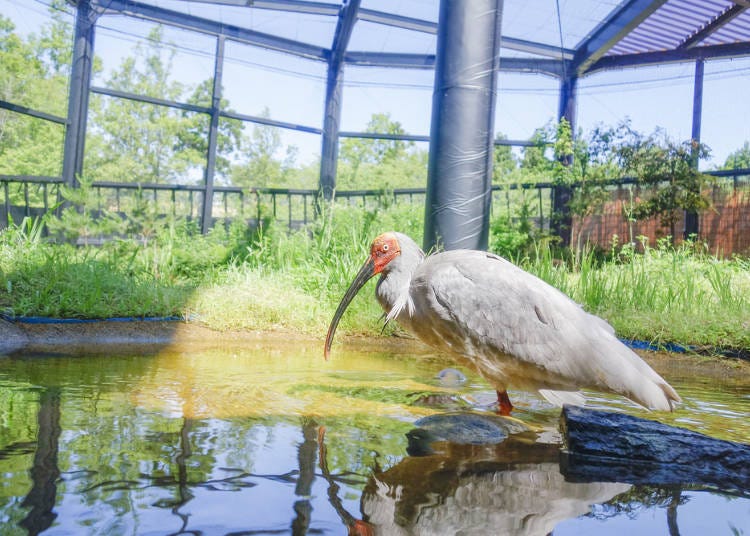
[363, 276]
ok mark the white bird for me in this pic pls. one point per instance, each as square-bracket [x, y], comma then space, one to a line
[515, 329]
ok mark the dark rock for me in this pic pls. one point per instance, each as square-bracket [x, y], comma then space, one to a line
[613, 447]
[462, 428]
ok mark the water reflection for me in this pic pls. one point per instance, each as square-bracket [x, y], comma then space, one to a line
[44, 471]
[275, 441]
[512, 488]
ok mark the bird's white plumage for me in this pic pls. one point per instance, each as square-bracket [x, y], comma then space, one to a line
[517, 330]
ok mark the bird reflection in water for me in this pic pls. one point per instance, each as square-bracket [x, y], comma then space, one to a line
[514, 487]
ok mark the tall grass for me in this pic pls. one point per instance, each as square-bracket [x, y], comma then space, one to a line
[661, 294]
[269, 279]
[59, 280]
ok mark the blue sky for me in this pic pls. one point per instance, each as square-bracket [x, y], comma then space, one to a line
[292, 89]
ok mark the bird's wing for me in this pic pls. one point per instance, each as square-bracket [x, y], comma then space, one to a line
[482, 306]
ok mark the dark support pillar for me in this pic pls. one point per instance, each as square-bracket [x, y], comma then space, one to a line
[691, 217]
[459, 183]
[213, 134]
[78, 95]
[562, 221]
[329, 153]
[330, 148]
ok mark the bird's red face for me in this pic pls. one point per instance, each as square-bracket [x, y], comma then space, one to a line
[383, 250]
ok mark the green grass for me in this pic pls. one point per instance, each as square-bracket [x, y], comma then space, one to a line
[233, 279]
[663, 294]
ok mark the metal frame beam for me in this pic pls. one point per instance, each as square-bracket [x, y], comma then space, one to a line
[692, 218]
[587, 57]
[329, 153]
[78, 95]
[33, 113]
[608, 33]
[419, 25]
[399, 60]
[213, 135]
[294, 6]
[562, 220]
[199, 24]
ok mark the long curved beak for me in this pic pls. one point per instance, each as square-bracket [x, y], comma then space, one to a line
[363, 276]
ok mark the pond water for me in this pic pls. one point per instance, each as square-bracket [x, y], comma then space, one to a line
[268, 438]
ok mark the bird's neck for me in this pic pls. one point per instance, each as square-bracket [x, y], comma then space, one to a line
[393, 287]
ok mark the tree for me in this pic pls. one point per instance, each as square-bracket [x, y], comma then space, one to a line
[504, 161]
[132, 141]
[30, 76]
[194, 137]
[669, 172]
[591, 167]
[739, 159]
[264, 165]
[367, 162]
[534, 160]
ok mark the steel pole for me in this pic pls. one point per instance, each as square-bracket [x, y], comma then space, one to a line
[459, 183]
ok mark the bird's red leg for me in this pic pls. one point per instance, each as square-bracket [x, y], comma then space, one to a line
[504, 407]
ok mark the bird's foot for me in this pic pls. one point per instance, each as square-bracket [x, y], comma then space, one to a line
[504, 406]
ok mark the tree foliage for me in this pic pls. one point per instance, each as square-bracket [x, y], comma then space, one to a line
[132, 141]
[739, 159]
[504, 161]
[381, 163]
[266, 161]
[31, 75]
[668, 170]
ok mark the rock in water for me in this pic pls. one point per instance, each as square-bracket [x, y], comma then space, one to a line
[614, 447]
[463, 428]
[451, 377]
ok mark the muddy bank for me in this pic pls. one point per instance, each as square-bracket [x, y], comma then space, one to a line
[12, 337]
[121, 336]
[139, 336]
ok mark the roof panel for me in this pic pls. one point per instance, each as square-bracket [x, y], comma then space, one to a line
[679, 22]
[736, 30]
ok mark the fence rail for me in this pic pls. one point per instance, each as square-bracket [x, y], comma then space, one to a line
[33, 196]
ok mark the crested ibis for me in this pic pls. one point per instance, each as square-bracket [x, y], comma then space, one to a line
[515, 329]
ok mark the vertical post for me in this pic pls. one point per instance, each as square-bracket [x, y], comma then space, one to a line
[691, 217]
[78, 93]
[6, 204]
[213, 134]
[329, 153]
[561, 222]
[330, 143]
[459, 177]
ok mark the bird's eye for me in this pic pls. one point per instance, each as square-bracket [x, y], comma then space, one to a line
[385, 247]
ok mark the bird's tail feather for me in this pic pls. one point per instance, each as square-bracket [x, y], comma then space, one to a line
[655, 393]
[558, 398]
